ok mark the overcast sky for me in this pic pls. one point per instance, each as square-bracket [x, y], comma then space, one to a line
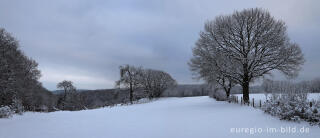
[86, 40]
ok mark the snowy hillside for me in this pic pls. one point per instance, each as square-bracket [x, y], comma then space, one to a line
[192, 117]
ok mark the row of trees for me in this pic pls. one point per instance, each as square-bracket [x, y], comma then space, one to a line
[271, 86]
[152, 82]
[242, 47]
[19, 85]
[20, 89]
[315, 85]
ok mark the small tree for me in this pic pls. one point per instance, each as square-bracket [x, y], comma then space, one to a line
[71, 99]
[67, 86]
[130, 77]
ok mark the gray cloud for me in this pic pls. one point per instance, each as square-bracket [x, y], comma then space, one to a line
[86, 41]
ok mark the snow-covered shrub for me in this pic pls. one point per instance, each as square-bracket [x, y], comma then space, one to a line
[220, 95]
[313, 112]
[5, 112]
[286, 106]
[293, 107]
[143, 100]
[42, 108]
[17, 106]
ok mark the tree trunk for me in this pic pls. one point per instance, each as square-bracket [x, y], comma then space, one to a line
[131, 93]
[229, 89]
[228, 93]
[65, 94]
[245, 90]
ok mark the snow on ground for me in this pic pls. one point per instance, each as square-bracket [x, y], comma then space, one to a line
[193, 117]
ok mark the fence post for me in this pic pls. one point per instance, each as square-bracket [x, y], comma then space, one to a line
[237, 100]
[310, 104]
[252, 102]
[241, 100]
[260, 103]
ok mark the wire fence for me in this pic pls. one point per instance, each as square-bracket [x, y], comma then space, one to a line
[252, 102]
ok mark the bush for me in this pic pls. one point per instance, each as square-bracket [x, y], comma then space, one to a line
[220, 95]
[6, 112]
[293, 107]
[42, 108]
[17, 106]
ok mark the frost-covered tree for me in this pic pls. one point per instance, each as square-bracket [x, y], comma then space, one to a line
[130, 77]
[154, 82]
[254, 42]
[9, 60]
[19, 75]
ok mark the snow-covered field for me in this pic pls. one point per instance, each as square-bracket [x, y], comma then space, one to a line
[193, 117]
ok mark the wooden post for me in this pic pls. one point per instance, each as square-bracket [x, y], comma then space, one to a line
[237, 100]
[260, 103]
[310, 104]
[252, 102]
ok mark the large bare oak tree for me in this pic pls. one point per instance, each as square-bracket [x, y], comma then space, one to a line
[246, 45]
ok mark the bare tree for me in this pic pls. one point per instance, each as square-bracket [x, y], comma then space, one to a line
[70, 100]
[254, 42]
[154, 82]
[130, 78]
[209, 66]
[67, 86]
